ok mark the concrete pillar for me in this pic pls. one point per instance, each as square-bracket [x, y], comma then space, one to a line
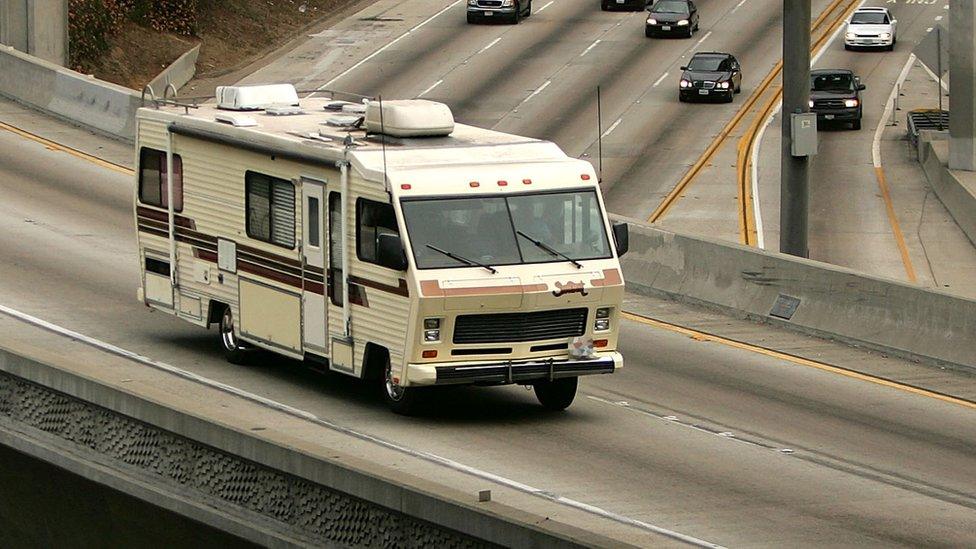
[962, 85]
[13, 23]
[37, 27]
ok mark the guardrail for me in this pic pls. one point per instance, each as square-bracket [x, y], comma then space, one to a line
[812, 297]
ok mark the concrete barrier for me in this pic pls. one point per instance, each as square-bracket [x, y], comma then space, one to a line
[84, 100]
[956, 189]
[809, 296]
[178, 73]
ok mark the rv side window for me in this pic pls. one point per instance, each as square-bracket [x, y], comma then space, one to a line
[372, 219]
[152, 179]
[270, 209]
[335, 248]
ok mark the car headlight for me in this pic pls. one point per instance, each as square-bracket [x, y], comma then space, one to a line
[651, 21]
[811, 103]
[850, 103]
[685, 83]
[432, 330]
[722, 85]
[508, 3]
[683, 23]
[602, 322]
[472, 2]
[885, 35]
[849, 36]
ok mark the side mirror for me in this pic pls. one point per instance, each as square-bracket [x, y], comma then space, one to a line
[621, 235]
[389, 252]
[683, 67]
[861, 87]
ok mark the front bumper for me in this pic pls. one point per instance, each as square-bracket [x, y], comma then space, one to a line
[690, 94]
[507, 372]
[666, 28]
[830, 115]
[478, 11]
[859, 42]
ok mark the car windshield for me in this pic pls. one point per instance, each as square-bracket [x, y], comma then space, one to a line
[832, 82]
[705, 63]
[868, 18]
[500, 230]
[670, 6]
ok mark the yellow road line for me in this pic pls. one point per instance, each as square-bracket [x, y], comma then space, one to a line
[895, 227]
[884, 382]
[62, 148]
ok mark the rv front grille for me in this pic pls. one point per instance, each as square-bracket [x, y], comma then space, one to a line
[516, 327]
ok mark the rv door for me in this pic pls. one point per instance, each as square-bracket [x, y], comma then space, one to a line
[314, 324]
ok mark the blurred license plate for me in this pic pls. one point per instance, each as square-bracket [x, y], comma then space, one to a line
[702, 92]
[666, 27]
[620, 1]
[489, 13]
[828, 117]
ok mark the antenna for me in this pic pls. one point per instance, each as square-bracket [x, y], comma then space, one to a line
[599, 133]
[386, 182]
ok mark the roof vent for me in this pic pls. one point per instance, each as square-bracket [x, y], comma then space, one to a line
[354, 108]
[251, 98]
[336, 105]
[288, 110]
[343, 121]
[410, 118]
[236, 120]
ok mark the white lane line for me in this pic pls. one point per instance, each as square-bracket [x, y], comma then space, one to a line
[703, 38]
[935, 77]
[308, 416]
[737, 6]
[659, 80]
[545, 6]
[612, 127]
[938, 18]
[757, 210]
[534, 93]
[889, 107]
[590, 47]
[385, 47]
[490, 44]
[928, 29]
[432, 86]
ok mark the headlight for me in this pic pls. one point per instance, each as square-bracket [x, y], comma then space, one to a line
[722, 85]
[885, 35]
[811, 103]
[683, 23]
[432, 329]
[849, 36]
[651, 21]
[508, 3]
[685, 83]
[432, 335]
[472, 2]
[602, 322]
[849, 103]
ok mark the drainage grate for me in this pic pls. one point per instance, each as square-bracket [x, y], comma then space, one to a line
[926, 119]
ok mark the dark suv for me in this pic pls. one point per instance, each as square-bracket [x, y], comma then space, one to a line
[486, 10]
[710, 74]
[835, 95]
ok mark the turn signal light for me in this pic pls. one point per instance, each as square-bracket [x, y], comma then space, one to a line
[585, 177]
[433, 354]
[474, 184]
[597, 343]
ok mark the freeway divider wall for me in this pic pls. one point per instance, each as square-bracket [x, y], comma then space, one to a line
[82, 99]
[809, 296]
[956, 189]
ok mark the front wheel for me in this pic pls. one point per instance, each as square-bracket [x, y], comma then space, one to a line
[401, 400]
[558, 394]
[517, 16]
[528, 9]
[234, 350]
[856, 125]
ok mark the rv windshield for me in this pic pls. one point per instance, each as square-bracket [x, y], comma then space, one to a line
[506, 230]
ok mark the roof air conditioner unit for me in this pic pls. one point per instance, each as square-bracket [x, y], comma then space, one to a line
[410, 118]
[252, 98]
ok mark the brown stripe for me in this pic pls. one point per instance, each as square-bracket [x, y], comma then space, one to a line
[246, 267]
[267, 255]
[402, 289]
[163, 215]
[611, 277]
[152, 231]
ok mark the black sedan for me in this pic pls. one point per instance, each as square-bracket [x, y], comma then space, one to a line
[672, 17]
[710, 74]
[632, 5]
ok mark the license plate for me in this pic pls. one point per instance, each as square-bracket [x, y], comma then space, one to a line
[702, 92]
[666, 27]
[489, 13]
[828, 117]
[620, 1]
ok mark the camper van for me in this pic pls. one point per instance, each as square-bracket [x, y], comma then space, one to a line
[379, 238]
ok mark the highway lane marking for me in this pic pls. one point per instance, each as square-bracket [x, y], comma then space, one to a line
[661, 79]
[906, 258]
[935, 77]
[876, 380]
[63, 148]
[591, 46]
[551, 2]
[737, 6]
[612, 127]
[385, 47]
[431, 88]
[308, 416]
[703, 38]
[534, 93]
[488, 47]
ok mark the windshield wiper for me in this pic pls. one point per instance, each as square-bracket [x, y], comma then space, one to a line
[457, 257]
[550, 249]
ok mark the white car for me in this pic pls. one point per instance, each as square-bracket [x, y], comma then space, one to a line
[871, 28]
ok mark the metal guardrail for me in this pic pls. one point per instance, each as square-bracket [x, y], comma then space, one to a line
[926, 119]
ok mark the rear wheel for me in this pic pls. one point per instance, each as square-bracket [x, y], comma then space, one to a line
[558, 394]
[234, 349]
[401, 400]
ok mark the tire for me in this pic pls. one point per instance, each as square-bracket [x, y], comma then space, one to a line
[517, 17]
[558, 394]
[472, 18]
[648, 32]
[234, 350]
[738, 89]
[731, 97]
[681, 98]
[848, 47]
[691, 32]
[856, 125]
[528, 10]
[604, 6]
[401, 400]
